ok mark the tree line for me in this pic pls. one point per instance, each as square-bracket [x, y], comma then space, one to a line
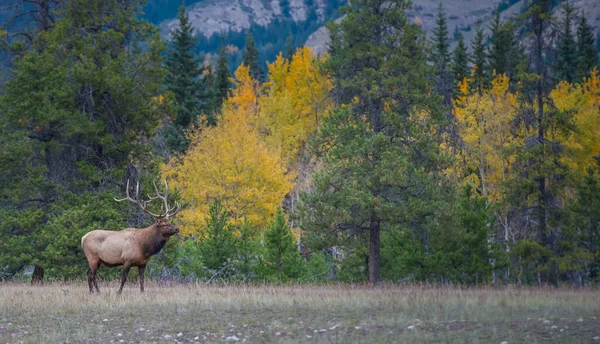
[389, 158]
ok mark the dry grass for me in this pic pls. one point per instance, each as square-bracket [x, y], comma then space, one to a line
[258, 314]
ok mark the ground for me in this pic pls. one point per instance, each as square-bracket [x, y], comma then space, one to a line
[67, 313]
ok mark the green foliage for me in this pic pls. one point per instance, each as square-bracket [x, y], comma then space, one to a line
[318, 268]
[251, 59]
[460, 60]
[481, 77]
[441, 54]
[581, 237]
[219, 86]
[503, 54]
[587, 53]
[281, 254]
[372, 173]
[530, 261]
[566, 61]
[216, 244]
[75, 112]
[183, 78]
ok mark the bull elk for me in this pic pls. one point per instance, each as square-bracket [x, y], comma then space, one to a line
[131, 246]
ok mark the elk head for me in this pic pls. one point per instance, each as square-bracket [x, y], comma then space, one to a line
[163, 221]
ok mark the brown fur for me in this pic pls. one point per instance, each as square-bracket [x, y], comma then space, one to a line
[128, 247]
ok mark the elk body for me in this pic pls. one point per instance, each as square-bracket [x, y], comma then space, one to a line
[131, 246]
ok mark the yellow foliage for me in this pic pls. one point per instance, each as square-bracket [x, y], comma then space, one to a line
[229, 162]
[296, 98]
[483, 123]
[247, 160]
[583, 101]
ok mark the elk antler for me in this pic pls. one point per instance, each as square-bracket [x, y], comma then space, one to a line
[143, 205]
[169, 212]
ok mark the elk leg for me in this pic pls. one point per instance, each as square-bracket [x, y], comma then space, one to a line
[141, 269]
[126, 268]
[96, 279]
[90, 278]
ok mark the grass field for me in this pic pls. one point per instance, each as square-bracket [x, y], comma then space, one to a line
[58, 313]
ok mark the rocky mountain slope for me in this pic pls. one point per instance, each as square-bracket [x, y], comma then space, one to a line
[465, 15]
[222, 16]
[268, 18]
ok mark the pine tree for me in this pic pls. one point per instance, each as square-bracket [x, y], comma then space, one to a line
[460, 60]
[76, 112]
[441, 55]
[216, 243]
[539, 164]
[583, 224]
[566, 61]
[281, 254]
[480, 80]
[251, 58]
[219, 86]
[289, 47]
[380, 66]
[499, 47]
[183, 73]
[587, 54]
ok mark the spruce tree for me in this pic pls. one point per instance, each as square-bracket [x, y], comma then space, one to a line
[289, 47]
[480, 79]
[219, 85]
[183, 72]
[540, 173]
[251, 58]
[587, 54]
[281, 254]
[441, 55]
[460, 60]
[217, 245]
[566, 61]
[582, 223]
[497, 55]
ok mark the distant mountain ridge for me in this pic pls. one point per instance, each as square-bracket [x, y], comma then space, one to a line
[272, 21]
[466, 15]
[223, 16]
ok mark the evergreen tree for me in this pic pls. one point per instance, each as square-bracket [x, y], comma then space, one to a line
[441, 55]
[247, 251]
[75, 116]
[219, 86]
[460, 60]
[503, 54]
[216, 244]
[289, 47]
[281, 254]
[582, 227]
[498, 48]
[481, 78]
[183, 75]
[377, 155]
[251, 58]
[541, 175]
[587, 54]
[566, 61]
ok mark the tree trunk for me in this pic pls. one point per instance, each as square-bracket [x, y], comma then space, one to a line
[374, 249]
[38, 275]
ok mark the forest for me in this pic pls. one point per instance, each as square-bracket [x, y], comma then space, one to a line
[393, 157]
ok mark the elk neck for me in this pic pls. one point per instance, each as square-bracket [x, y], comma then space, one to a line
[152, 240]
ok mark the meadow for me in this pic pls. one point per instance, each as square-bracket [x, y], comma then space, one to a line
[189, 313]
